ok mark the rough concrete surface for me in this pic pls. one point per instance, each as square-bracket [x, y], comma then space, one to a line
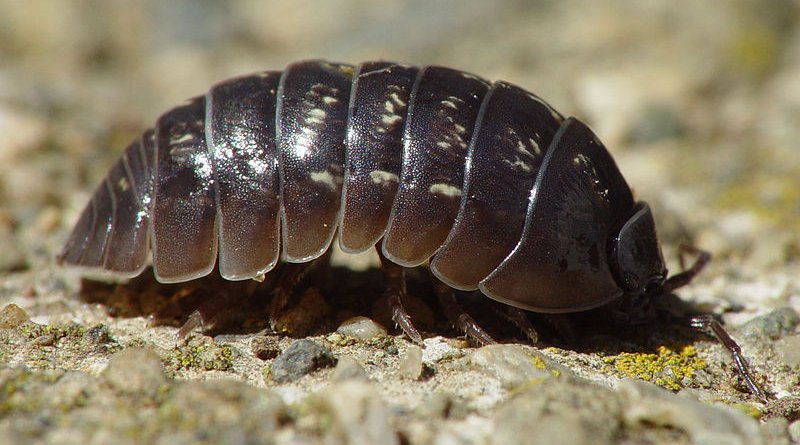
[699, 102]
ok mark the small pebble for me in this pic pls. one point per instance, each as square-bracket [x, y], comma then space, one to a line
[48, 339]
[348, 368]
[357, 415]
[300, 358]
[98, 334]
[361, 328]
[265, 348]
[438, 348]
[335, 338]
[12, 316]
[411, 363]
[774, 324]
[135, 371]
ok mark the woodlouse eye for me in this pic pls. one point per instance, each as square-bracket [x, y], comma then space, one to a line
[655, 285]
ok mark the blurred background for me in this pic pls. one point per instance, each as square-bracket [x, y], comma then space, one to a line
[699, 102]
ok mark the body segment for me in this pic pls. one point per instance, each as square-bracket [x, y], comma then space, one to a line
[378, 111]
[311, 127]
[184, 207]
[244, 155]
[513, 132]
[442, 113]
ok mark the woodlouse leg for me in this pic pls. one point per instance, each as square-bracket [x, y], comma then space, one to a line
[564, 326]
[520, 319]
[710, 324]
[211, 307]
[282, 293]
[195, 321]
[455, 313]
[395, 290]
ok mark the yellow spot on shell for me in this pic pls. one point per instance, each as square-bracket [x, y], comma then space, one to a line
[381, 176]
[324, 177]
[446, 190]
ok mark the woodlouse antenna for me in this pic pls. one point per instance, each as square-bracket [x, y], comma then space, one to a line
[685, 277]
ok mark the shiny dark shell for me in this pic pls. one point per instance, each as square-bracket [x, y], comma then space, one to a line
[486, 180]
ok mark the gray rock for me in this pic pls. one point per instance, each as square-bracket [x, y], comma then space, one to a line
[135, 372]
[300, 358]
[515, 365]
[774, 324]
[357, 415]
[562, 411]
[647, 404]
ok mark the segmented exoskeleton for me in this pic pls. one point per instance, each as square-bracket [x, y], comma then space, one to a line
[486, 181]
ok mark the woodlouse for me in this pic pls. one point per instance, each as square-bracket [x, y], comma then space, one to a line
[494, 186]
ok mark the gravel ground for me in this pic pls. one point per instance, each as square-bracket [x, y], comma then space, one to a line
[699, 102]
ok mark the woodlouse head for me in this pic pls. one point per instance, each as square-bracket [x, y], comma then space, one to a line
[636, 259]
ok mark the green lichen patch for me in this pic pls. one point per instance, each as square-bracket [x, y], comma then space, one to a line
[41, 332]
[756, 49]
[43, 346]
[773, 199]
[671, 368]
[206, 356]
